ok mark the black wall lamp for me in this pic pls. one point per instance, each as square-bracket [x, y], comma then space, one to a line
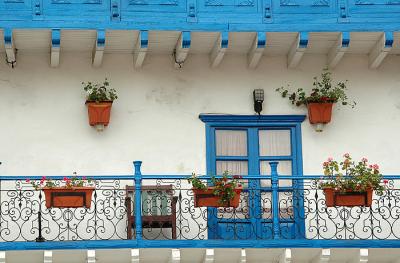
[258, 96]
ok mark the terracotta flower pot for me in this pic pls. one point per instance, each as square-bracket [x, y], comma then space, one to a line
[207, 198]
[63, 197]
[99, 112]
[337, 198]
[319, 112]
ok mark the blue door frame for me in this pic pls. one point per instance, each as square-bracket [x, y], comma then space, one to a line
[255, 226]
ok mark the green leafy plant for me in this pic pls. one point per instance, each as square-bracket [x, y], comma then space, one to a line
[349, 175]
[324, 91]
[99, 92]
[223, 187]
[71, 182]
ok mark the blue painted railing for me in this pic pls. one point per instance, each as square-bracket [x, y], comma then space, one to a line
[203, 15]
[287, 216]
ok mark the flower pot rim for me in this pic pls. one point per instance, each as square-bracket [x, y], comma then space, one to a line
[212, 187]
[347, 191]
[309, 103]
[98, 102]
[70, 188]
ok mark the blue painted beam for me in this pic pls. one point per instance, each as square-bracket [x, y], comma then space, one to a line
[55, 38]
[101, 38]
[388, 39]
[218, 51]
[7, 32]
[144, 39]
[259, 243]
[186, 39]
[345, 39]
[55, 47]
[98, 51]
[261, 39]
[203, 27]
[11, 55]
[142, 43]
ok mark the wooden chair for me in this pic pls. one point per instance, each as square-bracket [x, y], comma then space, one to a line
[153, 197]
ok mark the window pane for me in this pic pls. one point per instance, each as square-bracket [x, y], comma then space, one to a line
[284, 168]
[233, 167]
[285, 205]
[274, 142]
[231, 143]
[241, 212]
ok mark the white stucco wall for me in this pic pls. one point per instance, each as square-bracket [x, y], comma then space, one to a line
[45, 131]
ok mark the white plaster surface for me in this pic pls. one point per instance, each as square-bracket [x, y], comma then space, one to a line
[45, 131]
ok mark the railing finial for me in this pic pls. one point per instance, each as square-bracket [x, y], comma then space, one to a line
[274, 167]
[138, 165]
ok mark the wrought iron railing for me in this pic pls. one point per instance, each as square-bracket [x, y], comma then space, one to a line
[152, 208]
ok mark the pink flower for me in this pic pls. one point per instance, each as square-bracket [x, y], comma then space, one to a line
[346, 155]
[28, 180]
[84, 178]
[385, 181]
[364, 160]
[43, 178]
[325, 164]
[65, 179]
[330, 159]
[375, 166]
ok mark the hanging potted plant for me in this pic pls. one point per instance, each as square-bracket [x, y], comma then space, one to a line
[225, 191]
[99, 101]
[320, 101]
[75, 192]
[350, 183]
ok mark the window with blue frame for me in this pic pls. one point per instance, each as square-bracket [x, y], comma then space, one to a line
[245, 145]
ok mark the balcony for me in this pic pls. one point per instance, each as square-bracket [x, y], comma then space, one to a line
[283, 211]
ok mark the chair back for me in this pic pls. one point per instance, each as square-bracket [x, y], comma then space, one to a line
[156, 200]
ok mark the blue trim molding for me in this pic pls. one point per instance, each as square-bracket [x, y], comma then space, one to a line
[257, 119]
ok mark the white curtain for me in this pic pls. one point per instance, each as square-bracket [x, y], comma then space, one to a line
[231, 143]
[233, 167]
[274, 142]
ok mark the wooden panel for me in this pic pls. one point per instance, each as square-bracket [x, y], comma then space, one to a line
[73, 9]
[304, 6]
[238, 6]
[372, 7]
[170, 6]
[15, 9]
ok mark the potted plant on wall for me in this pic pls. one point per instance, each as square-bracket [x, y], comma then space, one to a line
[99, 101]
[71, 193]
[225, 191]
[320, 101]
[350, 183]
